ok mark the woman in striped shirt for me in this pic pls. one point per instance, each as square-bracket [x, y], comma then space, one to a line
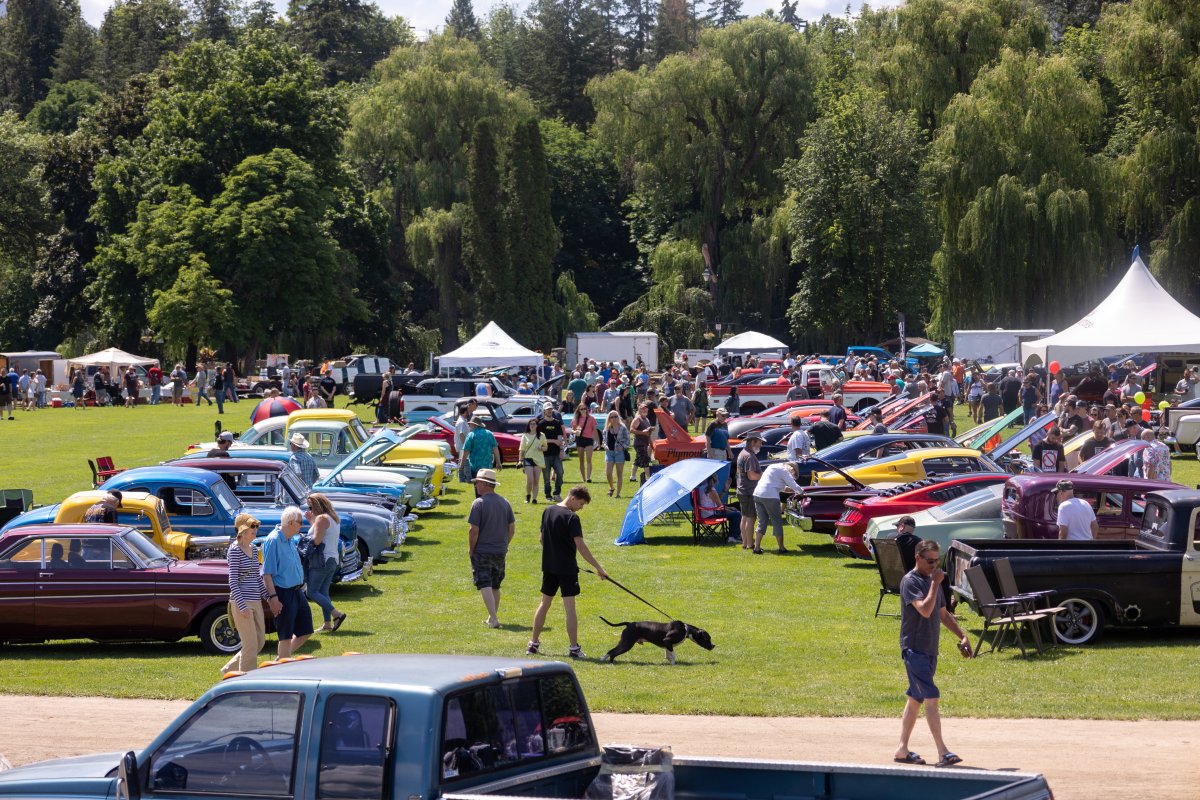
[246, 593]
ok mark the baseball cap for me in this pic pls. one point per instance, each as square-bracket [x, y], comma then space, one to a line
[225, 436]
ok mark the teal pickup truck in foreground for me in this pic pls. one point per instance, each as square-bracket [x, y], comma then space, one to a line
[395, 727]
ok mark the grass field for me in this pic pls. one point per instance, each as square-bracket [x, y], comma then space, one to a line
[795, 634]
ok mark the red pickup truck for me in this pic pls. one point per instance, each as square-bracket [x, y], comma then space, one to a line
[758, 392]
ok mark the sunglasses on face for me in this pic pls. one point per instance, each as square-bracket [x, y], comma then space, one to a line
[930, 560]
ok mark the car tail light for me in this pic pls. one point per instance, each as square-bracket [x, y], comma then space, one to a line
[851, 516]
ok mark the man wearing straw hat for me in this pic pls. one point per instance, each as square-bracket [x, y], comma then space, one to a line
[492, 527]
[301, 461]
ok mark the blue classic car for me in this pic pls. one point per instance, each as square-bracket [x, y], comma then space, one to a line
[201, 504]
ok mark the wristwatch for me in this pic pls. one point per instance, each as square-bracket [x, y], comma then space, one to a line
[272, 596]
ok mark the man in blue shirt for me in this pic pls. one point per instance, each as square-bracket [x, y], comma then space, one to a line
[301, 462]
[283, 575]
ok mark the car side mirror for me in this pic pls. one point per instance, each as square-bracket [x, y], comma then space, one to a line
[129, 786]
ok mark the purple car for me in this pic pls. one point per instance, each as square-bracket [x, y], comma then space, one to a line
[1030, 504]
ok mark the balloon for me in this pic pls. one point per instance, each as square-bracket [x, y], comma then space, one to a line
[1139, 398]
[1055, 367]
[1145, 415]
[1163, 405]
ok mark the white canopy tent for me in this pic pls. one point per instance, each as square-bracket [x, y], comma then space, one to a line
[114, 358]
[1139, 316]
[491, 347]
[751, 342]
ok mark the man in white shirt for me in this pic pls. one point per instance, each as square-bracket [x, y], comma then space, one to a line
[1076, 520]
[799, 445]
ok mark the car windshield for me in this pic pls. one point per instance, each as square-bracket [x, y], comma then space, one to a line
[360, 433]
[145, 549]
[290, 489]
[227, 498]
[980, 504]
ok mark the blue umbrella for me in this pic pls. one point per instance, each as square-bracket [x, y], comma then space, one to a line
[664, 489]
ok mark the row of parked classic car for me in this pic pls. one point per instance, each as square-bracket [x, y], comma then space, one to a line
[160, 573]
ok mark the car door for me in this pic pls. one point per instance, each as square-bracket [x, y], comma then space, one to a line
[90, 587]
[1189, 606]
[19, 567]
[191, 510]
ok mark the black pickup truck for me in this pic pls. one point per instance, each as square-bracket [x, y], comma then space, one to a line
[1153, 580]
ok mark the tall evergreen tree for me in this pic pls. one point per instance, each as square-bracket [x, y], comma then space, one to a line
[461, 21]
[214, 20]
[30, 35]
[637, 24]
[134, 37]
[484, 249]
[533, 238]
[674, 29]
[76, 56]
[563, 54]
[724, 12]
[347, 37]
[788, 14]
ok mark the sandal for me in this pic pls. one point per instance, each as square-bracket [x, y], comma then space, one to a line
[610, 492]
[948, 760]
[337, 621]
[909, 758]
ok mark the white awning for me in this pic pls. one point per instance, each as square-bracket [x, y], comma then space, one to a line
[114, 358]
[750, 342]
[491, 347]
[1139, 316]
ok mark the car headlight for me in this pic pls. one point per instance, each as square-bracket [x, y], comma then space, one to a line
[429, 490]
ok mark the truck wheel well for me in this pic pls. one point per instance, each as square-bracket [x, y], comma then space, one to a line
[866, 402]
[751, 408]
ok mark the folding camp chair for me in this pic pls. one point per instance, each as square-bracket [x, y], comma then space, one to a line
[1037, 602]
[102, 470]
[890, 564]
[14, 502]
[716, 528]
[1006, 615]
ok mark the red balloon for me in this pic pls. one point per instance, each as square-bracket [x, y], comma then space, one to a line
[1055, 367]
[1145, 415]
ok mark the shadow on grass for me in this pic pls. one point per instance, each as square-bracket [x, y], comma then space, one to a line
[820, 551]
[86, 650]
[680, 661]
[356, 590]
[416, 541]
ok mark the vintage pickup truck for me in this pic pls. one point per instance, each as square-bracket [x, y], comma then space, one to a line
[393, 727]
[1153, 580]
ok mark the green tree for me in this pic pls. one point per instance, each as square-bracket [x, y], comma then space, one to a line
[346, 37]
[1022, 200]
[462, 22]
[31, 32]
[196, 309]
[674, 29]
[532, 237]
[724, 12]
[637, 19]
[575, 309]
[76, 56]
[1151, 52]
[25, 215]
[504, 42]
[861, 222]
[66, 103]
[135, 36]
[565, 50]
[485, 248]
[215, 20]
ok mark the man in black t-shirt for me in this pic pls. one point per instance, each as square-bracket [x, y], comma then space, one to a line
[328, 387]
[1048, 453]
[6, 396]
[1010, 391]
[551, 427]
[824, 433]
[561, 538]
[938, 416]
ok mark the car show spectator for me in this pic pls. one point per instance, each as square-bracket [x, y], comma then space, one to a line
[616, 447]
[325, 528]
[550, 426]
[300, 461]
[583, 425]
[1010, 391]
[991, 403]
[130, 380]
[749, 471]
[154, 377]
[1156, 459]
[1048, 454]
[533, 457]
[1075, 517]
[246, 595]
[776, 479]
[480, 449]
[230, 378]
[1100, 441]
[104, 510]
[717, 436]
[224, 442]
[491, 528]
[824, 433]
[283, 576]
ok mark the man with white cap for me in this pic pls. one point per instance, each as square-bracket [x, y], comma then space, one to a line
[224, 442]
[301, 461]
[492, 527]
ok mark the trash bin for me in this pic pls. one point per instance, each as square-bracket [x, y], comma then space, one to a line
[634, 773]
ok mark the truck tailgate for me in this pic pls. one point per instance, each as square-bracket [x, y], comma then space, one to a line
[701, 778]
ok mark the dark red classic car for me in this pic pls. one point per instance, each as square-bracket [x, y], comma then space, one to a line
[905, 499]
[108, 583]
[1030, 504]
[510, 445]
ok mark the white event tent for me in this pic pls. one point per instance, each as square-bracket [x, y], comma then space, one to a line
[751, 342]
[114, 358]
[1139, 316]
[491, 347]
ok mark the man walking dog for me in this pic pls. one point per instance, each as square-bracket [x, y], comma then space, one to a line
[492, 527]
[561, 538]
[922, 612]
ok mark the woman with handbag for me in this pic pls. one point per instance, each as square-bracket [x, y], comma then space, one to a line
[583, 425]
[533, 459]
[325, 528]
[246, 595]
[616, 452]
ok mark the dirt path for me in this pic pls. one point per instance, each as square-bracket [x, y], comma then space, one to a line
[1083, 759]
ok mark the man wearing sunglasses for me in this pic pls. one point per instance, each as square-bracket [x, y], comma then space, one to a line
[922, 613]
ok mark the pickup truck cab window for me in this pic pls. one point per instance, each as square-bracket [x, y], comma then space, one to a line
[495, 727]
[243, 743]
[356, 743]
[185, 502]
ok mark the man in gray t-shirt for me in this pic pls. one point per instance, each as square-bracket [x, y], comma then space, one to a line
[748, 472]
[922, 613]
[681, 408]
[492, 527]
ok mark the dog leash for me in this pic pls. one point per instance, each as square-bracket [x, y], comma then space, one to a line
[633, 593]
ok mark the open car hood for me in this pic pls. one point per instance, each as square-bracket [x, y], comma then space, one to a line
[1103, 462]
[854, 482]
[1039, 425]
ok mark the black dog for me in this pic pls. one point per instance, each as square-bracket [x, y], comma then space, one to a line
[664, 634]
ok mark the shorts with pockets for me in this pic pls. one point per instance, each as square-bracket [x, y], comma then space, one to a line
[746, 506]
[296, 617]
[487, 570]
[920, 669]
[553, 583]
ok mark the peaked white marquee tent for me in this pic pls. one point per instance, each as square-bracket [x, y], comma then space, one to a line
[114, 358]
[1139, 316]
[491, 347]
[751, 342]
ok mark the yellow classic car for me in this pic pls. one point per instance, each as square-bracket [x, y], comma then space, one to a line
[140, 510]
[912, 465]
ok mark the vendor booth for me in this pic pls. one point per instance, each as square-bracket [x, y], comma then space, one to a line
[491, 347]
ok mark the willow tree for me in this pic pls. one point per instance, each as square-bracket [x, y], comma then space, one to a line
[1152, 53]
[1022, 198]
[706, 131]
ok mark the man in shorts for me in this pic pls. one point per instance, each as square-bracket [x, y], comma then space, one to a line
[492, 527]
[922, 613]
[748, 473]
[561, 538]
[283, 575]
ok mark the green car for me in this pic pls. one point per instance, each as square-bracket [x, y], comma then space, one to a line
[973, 516]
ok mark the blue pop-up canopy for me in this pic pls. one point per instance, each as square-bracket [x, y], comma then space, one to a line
[926, 350]
[661, 492]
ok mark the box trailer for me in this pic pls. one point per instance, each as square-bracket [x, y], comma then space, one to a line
[632, 346]
[995, 346]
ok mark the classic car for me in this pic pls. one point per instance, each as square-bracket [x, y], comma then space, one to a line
[445, 727]
[808, 409]
[202, 504]
[441, 430]
[868, 448]
[108, 583]
[977, 437]
[259, 482]
[1151, 580]
[1030, 506]
[912, 465]
[143, 511]
[975, 515]
[857, 513]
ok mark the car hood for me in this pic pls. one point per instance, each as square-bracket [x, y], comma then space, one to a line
[35, 516]
[61, 776]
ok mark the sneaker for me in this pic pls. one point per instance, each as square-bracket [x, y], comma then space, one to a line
[534, 500]
[532, 650]
[526, 498]
[576, 652]
[558, 498]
